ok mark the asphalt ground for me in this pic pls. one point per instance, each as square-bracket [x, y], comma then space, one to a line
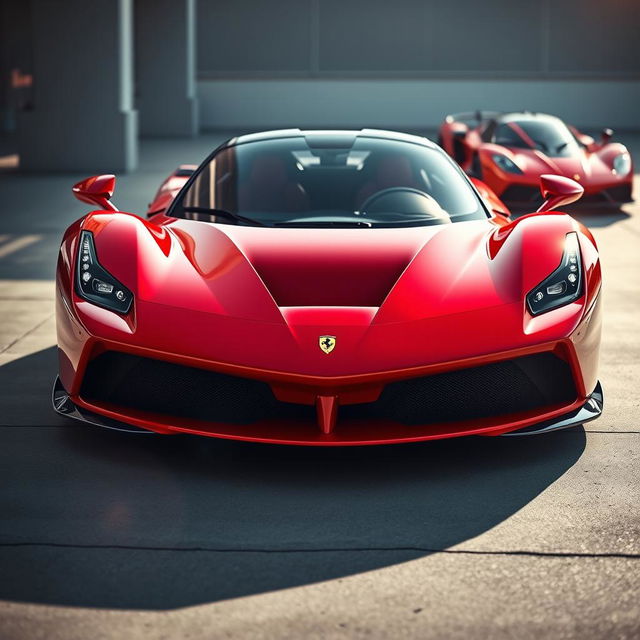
[108, 535]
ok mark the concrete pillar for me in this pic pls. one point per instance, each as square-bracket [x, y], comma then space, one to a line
[82, 118]
[165, 67]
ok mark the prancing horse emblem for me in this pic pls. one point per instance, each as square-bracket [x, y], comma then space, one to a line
[327, 343]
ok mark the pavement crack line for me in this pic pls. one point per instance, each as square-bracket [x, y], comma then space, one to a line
[477, 552]
[27, 333]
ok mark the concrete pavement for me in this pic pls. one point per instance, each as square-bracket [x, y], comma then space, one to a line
[106, 536]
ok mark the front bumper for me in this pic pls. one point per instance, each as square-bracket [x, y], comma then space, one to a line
[296, 432]
[313, 399]
[527, 194]
[589, 410]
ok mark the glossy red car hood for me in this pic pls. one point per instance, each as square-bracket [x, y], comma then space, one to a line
[254, 272]
[407, 272]
[396, 298]
[301, 268]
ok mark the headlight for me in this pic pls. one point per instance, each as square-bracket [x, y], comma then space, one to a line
[95, 284]
[506, 164]
[564, 285]
[622, 164]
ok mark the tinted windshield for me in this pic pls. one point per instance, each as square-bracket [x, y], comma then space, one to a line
[324, 180]
[551, 136]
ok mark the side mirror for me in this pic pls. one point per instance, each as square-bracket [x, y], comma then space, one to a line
[606, 136]
[96, 190]
[557, 191]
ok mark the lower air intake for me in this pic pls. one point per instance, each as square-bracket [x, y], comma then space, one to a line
[524, 194]
[146, 384]
[511, 386]
[500, 388]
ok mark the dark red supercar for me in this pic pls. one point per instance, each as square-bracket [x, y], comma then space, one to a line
[328, 288]
[510, 151]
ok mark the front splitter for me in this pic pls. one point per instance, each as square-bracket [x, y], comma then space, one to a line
[63, 405]
[589, 410]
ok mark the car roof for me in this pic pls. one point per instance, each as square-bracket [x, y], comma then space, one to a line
[514, 116]
[318, 135]
[482, 118]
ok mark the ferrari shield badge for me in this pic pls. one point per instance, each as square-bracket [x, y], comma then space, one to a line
[327, 343]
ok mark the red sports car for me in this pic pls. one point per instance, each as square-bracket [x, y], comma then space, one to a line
[510, 151]
[328, 288]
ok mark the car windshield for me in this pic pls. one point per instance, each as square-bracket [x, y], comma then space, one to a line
[551, 136]
[320, 179]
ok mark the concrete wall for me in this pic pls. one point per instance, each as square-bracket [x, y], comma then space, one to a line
[82, 117]
[413, 104]
[482, 38]
[406, 63]
[165, 67]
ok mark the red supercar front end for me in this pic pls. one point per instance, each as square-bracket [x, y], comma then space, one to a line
[326, 336]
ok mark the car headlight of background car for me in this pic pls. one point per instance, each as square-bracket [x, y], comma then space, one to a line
[506, 164]
[564, 285]
[622, 164]
[94, 283]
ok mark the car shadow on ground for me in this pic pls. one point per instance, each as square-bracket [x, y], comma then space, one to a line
[104, 519]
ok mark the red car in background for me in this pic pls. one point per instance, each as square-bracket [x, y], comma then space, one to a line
[510, 151]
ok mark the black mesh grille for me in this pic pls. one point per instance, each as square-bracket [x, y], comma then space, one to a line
[495, 389]
[522, 193]
[621, 193]
[162, 387]
[594, 198]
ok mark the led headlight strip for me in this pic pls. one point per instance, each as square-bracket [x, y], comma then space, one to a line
[506, 164]
[94, 283]
[564, 285]
[622, 164]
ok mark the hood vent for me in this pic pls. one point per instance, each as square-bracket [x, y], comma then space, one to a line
[331, 284]
[355, 270]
